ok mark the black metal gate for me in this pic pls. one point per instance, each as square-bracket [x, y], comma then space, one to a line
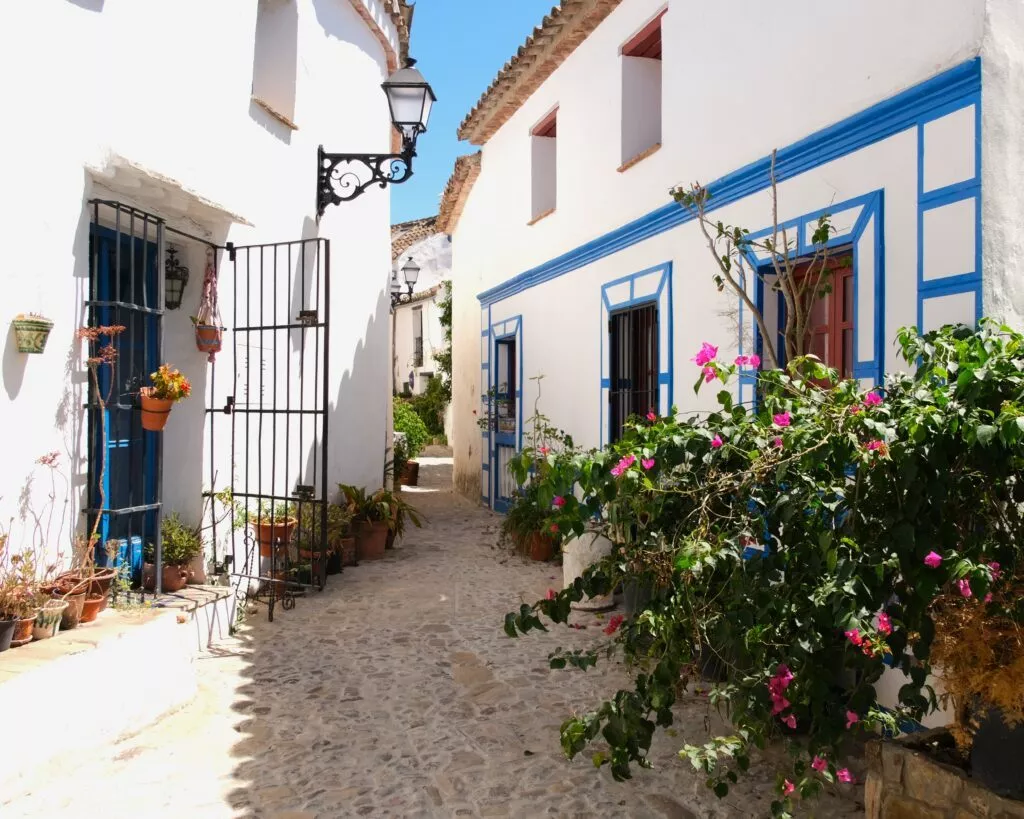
[276, 404]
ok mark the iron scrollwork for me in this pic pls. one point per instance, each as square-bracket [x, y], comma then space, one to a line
[343, 177]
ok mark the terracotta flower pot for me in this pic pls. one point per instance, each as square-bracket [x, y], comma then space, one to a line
[411, 474]
[347, 549]
[31, 333]
[48, 619]
[94, 604]
[73, 613]
[371, 539]
[540, 546]
[174, 578]
[155, 412]
[7, 633]
[268, 534]
[23, 631]
[208, 338]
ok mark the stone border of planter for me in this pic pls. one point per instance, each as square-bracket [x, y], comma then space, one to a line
[904, 783]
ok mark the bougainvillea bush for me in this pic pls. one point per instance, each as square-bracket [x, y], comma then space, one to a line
[796, 549]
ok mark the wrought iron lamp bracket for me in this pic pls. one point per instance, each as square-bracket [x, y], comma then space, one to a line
[343, 177]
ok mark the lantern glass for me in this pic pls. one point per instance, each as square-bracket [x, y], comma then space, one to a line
[410, 98]
[175, 280]
[411, 271]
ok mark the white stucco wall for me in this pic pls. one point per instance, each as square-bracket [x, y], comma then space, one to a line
[875, 51]
[165, 86]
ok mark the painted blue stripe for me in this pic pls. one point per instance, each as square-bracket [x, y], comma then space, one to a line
[965, 283]
[951, 89]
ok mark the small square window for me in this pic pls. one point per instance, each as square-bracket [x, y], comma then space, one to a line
[641, 93]
[275, 58]
[544, 176]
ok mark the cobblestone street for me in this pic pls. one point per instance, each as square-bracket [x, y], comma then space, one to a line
[395, 693]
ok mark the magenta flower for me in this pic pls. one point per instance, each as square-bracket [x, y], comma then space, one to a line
[550, 595]
[933, 560]
[554, 528]
[558, 502]
[707, 354]
[854, 636]
[988, 598]
[716, 442]
[647, 463]
[964, 587]
[782, 419]
[872, 399]
[884, 624]
[741, 360]
[544, 450]
[787, 787]
[851, 719]
[613, 624]
[855, 409]
[819, 764]
[777, 442]
[790, 721]
[651, 416]
[996, 570]
[779, 704]
[876, 446]
[843, 775]
[783, 675]
[755, 361]
[709, 374]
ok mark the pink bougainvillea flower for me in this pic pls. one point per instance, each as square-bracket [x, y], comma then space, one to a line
[558, 502]
[782, 419]
[652, 416]
[647, 463]
[854, 636]
[843, 775]
[777, 442]
[884, 624]
[872, 399]
[623, 464]
[554, 528]
[787, 787]
[855, 409]
[851, 719]
[741, 360]
[544, 450]
[550, 595]
[877, 446]
[709, 374]
[716, 442]
[933, 560]
[996, 570]
[963, 585]
[783, 675]
[988, 598]
[755, 361]
[613, 624]
[819, 764]
[789, 721]
[779, 704]
[706, 354]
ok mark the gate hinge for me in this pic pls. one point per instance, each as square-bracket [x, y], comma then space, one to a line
[304, 492]
[230, 248]
[229, 405]
[307, 318]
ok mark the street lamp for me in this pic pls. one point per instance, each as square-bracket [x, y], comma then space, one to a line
[411, 272]
[175, 279]
[343, 177]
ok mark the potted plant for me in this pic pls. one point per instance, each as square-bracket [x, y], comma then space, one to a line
[169, 386]
[411, 435]
[369, 521]
[312, 548]
[526, 527]
[31, 331]
[273, 525]
[209, 336]
[180, 545]
[398, 510]
[19, 597]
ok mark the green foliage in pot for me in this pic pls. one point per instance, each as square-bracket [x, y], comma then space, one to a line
[269, 512]
[181, 543]
[397, 511]
[801, 546]
[308, 531]
[411, 425]
[361, 506]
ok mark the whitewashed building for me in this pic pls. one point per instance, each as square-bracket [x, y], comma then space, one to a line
[901, 120]
[136, 129]
[417, 332]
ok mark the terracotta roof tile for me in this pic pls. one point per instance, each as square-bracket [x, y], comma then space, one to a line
[405, 234]
[467, 169]
[558, 35]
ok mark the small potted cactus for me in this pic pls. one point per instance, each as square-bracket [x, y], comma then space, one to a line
[31, 331]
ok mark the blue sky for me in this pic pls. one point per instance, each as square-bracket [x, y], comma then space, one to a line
[459, 47]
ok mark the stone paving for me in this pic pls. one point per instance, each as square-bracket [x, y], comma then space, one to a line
[395, 693]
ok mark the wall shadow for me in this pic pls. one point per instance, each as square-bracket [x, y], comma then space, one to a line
[14, 365]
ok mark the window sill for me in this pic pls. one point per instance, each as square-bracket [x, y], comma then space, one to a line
[540, 216]
[275, 114]
[640, 157]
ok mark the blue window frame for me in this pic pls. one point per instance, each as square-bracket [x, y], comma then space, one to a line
[124, 287]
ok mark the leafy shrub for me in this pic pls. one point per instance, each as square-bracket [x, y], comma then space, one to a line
[801, 547]
[409, 423]
[430, 406]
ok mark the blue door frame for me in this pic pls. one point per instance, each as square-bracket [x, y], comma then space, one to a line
[504, 332]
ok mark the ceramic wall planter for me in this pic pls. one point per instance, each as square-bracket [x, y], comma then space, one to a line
[208, 338]
[48, 619]
[578, 555]
[155, 412]
[371, 539]
[32, 333]
[6, 633]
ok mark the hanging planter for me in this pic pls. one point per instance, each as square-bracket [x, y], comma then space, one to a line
[209, 333]
[31, 332]
[169, 386]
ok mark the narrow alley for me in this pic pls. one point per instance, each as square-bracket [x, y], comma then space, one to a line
[394, 693]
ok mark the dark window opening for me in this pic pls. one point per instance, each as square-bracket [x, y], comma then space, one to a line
[633, 348]
[417, 337]
[506, 387]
